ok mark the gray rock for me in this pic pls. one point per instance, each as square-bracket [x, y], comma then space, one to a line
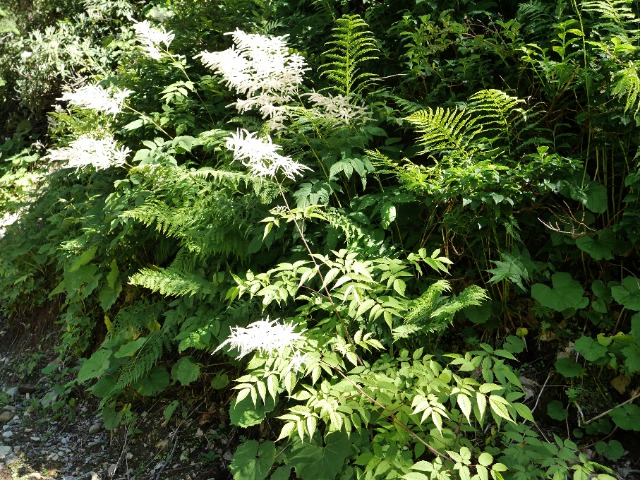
[11, 391]
[5, 416]
[7, 434]
[95, 428]
[5, 450]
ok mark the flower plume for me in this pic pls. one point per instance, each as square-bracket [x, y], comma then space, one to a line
[264, 336]
[94, 97]
[260, 68]
[151, 38]
[261, 157]
[84, 151]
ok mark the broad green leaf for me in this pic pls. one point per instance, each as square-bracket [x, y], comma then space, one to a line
[154, 382]
[627, 417]
[600, 246]
[83, 259]
[185, 371]
[499, 407]
[315, 462]
[253, 460]
[590, 349]
[245, 414]
[568, 368]
[129, 349]
[95, 366]
[628, 294]
[565, 293]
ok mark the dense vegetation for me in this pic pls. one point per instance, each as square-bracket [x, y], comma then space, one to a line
[406, 230]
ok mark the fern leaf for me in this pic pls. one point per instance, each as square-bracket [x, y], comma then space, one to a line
[446, 131]
[423, 306]
[171, 282]
[352, 45]
[627, 86]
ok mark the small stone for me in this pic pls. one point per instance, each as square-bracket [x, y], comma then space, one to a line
[129, 455]
[35, 439]
[228, 456]
[4, 451]
[5, 416]
[95, 428]
[34, 476]
[199, 432]
[11, 391]
[7, 434]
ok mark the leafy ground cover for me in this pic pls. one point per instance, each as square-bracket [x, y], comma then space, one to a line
[392, 239]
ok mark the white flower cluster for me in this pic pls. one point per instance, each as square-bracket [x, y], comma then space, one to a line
[264, 336]
[94, 97]
[339, 108]
[261, 157]
[152, 37]
[84, 151]
[6, 220]
[262, 69]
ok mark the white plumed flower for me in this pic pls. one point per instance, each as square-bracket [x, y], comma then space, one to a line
[261, 68]
[87, 151]
[94, 97]
[264, 336]
[339, 108]
[261, 157]
[152, 37]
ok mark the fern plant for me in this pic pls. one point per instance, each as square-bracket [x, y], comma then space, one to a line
[352, 45]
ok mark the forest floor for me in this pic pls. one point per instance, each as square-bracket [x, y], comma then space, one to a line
[44, 435]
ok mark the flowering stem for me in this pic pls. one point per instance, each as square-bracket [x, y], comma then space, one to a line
[308, 248]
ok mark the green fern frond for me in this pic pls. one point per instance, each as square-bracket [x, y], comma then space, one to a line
[446, 131]
[141, 363]
[470, 296]
[423, 306]
[612, 16]
[627, 88]
[172, 282]
[352, 45]
[536, 18]
[499, 114]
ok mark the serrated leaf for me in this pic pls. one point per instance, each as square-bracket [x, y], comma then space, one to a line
[590, 349]
[253, 460]
[465, 406]
[316, 462]
[499, 407]
[565, 293]
[154, 382]
[568, 368]
[185, 371]
[599, 246]
[245, 414]
[628, 294]
[95, 366]
[627, 417]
